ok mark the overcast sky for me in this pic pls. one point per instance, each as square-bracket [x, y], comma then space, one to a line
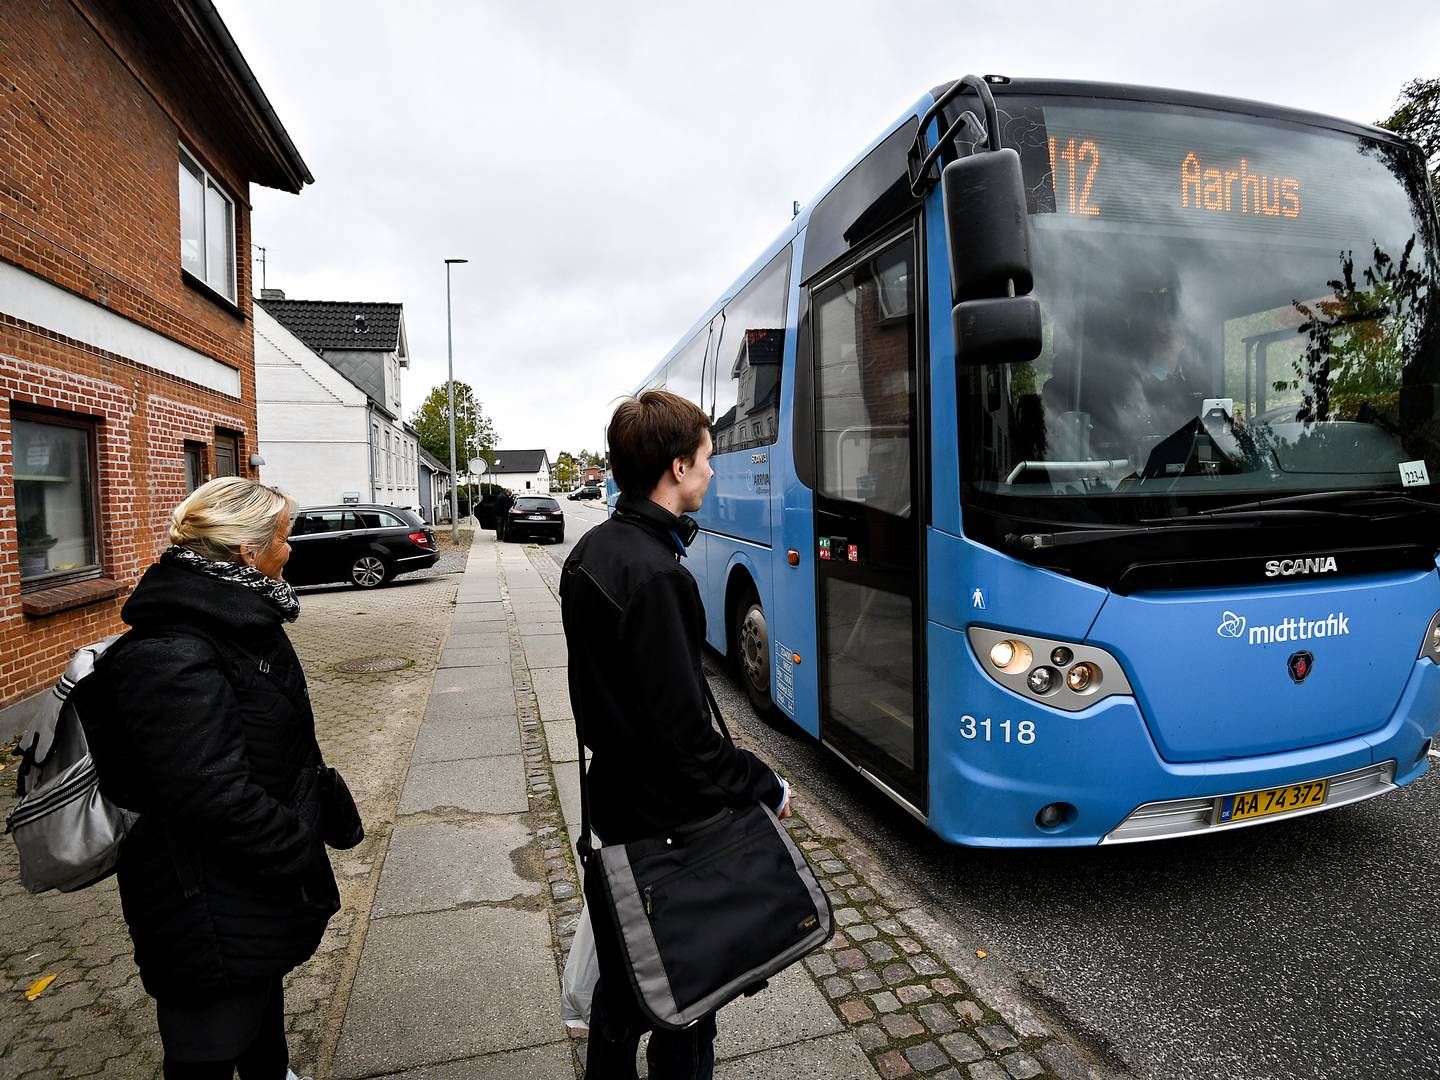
[609, 168]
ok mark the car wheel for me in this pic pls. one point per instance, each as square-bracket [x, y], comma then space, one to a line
[752, 654]
[369, 572]
[561, 538]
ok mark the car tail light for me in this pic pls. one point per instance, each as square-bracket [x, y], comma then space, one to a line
[420, 538]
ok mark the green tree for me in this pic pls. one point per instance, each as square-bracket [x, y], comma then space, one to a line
[1417, 117]
[566, 471]
[474, 431]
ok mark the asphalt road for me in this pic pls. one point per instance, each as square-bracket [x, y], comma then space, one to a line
[1300, 949]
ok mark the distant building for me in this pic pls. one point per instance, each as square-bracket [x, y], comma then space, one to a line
[521, 471]
[592, 475]
[131, 138]
[434, 488]
[327, 376]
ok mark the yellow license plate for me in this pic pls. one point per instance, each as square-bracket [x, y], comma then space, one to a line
[1279, 800]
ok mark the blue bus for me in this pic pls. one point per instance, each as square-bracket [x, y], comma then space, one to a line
[1072, 458]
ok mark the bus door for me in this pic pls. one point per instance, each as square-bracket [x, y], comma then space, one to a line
[869, 519]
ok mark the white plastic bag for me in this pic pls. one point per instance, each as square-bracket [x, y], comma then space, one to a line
[582, 972]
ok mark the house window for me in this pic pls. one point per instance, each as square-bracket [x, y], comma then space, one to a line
[55, 498]
[389, 461]
[207, 228]
[194, 465]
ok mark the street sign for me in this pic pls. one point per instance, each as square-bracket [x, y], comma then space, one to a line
[478, 467]
[350, 497]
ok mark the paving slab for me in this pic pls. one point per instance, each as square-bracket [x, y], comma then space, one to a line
[554, 700]
[792, 1008]
[524, 594]
[440, 865]
[452, 679]
[437, 987]
[455, 738]
[479, 615]
[486, 656]
[549, 1062]
[567, 786]
[836, 1057]
[545, 650]
[484, 636]
[560, 741]
[478, 593]
[494, 785]
[467, 704]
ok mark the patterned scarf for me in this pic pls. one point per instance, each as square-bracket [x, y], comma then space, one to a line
[279, 593]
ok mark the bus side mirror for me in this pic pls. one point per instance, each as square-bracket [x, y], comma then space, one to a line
[987, 229]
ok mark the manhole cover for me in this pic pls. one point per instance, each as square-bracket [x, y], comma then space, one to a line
[372, 665]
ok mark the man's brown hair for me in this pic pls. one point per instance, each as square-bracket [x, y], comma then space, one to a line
[649, 432]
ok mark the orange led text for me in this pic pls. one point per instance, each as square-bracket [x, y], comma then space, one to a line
[1241, 191]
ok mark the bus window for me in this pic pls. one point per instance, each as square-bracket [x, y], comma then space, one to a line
[747, 372]
[864, 354]
[682, 374]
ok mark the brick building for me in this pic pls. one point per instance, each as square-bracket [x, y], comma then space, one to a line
[129, 137]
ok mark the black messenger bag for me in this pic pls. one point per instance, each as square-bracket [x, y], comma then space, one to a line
[709, 911]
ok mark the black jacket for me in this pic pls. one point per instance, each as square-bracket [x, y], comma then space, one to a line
[224, 879]
[634, 626]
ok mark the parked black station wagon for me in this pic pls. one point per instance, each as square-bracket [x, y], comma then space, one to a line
[364, 545]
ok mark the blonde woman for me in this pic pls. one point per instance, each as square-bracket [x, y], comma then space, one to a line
[224, 879]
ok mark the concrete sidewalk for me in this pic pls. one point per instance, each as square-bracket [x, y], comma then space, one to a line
[477, 901]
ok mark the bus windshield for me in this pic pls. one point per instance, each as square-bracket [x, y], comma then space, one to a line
[1231, 306]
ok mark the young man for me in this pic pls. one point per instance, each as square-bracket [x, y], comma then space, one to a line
[634, 624]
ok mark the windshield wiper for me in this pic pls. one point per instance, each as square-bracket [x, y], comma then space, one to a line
[1043, 541]
[1345, 503]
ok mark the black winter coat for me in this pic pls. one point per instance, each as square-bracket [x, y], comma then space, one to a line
[635, 624]
[224, 879]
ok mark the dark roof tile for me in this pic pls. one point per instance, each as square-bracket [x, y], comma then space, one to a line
[339, 324]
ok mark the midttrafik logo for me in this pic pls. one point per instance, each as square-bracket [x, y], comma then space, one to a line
[1234, 626]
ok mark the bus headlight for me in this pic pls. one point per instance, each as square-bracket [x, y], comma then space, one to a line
[1042, 680]
[1011, 657]
[1430, 645]
[1082, 677]
[1063, 674]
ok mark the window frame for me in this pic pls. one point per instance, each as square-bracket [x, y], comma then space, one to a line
[91, 427]
[190, 162]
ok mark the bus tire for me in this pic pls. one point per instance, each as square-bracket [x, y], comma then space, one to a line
[751, 650]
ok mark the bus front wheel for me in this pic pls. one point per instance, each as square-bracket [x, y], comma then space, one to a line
[752, 654]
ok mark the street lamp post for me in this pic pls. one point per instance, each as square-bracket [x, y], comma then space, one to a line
[450, 386]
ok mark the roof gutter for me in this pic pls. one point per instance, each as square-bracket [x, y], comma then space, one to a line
[299, 171]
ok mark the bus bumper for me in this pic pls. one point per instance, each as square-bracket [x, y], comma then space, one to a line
[1102, 768]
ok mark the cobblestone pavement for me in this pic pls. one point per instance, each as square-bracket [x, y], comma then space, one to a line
[915, 999]
[95, 1019]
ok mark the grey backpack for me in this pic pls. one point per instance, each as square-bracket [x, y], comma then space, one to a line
[67, 833]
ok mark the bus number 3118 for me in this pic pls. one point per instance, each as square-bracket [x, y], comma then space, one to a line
[1024, 731]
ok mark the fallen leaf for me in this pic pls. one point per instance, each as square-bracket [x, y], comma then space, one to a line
[981, 953]
[38, 987]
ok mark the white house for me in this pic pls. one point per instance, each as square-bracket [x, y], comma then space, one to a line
[328, 407]
[521, 471]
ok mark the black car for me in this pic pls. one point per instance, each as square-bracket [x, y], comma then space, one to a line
[589, 491]
[535, 515]
[364, 545]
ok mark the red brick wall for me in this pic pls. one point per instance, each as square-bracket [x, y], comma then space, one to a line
[91, 119]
